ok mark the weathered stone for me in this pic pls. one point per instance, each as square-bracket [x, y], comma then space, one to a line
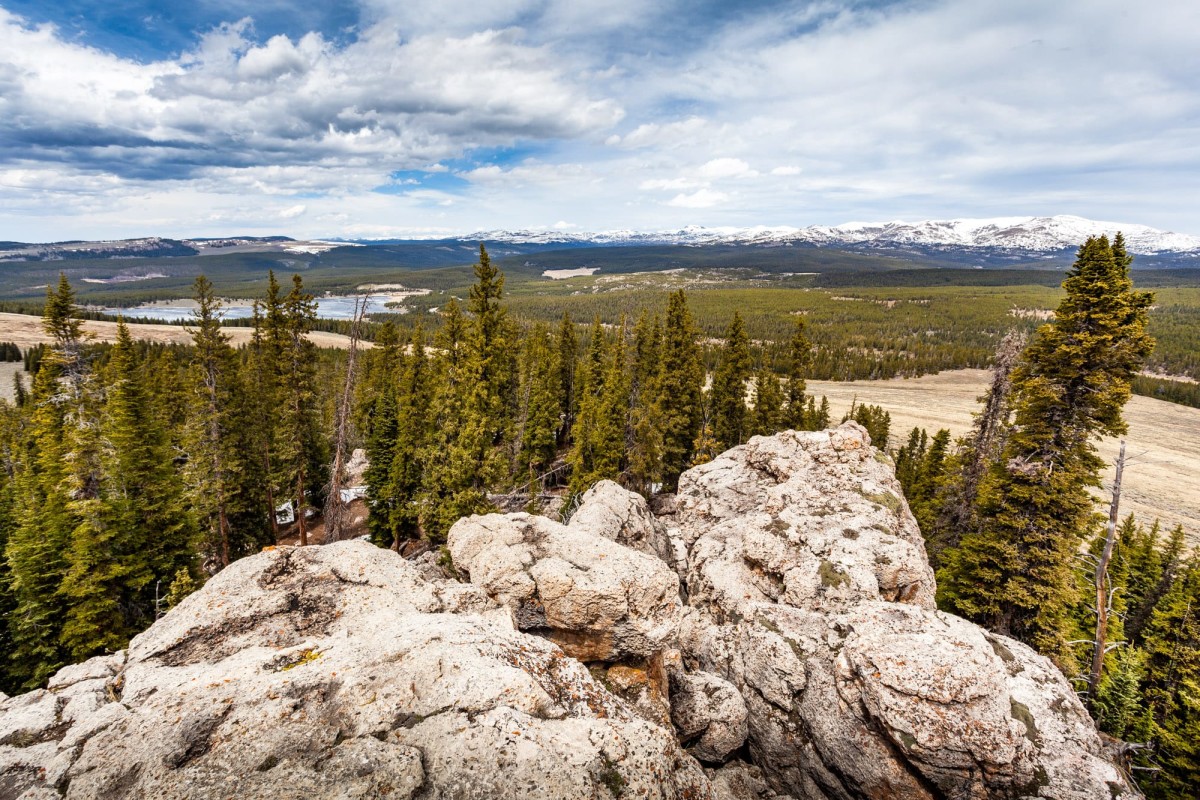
[709, 715]
[339, 672]
[598, 600]
[810, 592]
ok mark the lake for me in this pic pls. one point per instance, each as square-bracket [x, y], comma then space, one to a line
[329, 307]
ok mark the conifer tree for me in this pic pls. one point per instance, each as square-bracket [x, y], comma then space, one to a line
[768, 403]
[379, 422]
[568, 355]
[210, 472]
[680, 384]
[730, 423]
[449, 485]
[539, 413]
[1014, 574]
[136, 533]
[409, 449]
[300, 458]
[800, 357]
[45, 487]
[644, 436]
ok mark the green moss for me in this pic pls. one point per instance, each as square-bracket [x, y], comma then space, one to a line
[831, 576]
[1021, 712]
[298, 659]
[885, 499]
[446, 562]
[907, 739]
[611, 778]
[1002, 650]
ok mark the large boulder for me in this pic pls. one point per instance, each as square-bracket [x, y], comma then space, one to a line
[809, 591]
[597, 599]
[335, 672]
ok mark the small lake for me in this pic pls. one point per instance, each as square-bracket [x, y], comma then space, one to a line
[330, 307]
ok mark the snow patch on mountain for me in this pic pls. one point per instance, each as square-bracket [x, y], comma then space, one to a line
[1019, 234]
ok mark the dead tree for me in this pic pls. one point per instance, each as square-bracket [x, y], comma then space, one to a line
[335, 506]
[1104, 593]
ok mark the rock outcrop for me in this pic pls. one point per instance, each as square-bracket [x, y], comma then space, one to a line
[768, 633]
[809, 590]
[335, 672]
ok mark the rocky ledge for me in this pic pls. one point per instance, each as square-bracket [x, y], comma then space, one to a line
[770, 633]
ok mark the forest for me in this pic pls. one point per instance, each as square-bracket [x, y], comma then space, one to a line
[131, 472]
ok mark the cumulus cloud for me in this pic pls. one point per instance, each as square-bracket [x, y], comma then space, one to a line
[701, 198]
[611, 113]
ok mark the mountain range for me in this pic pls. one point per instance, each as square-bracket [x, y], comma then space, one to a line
[979, 242]
[1028, 235]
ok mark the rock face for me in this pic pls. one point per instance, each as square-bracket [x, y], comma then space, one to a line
[335, 672]
[773, 621]
[810, 592]
[597, 599]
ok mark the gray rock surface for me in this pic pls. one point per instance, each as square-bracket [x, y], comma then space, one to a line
[709, 715]
[597, 599]
[335, 672]
[810, 592]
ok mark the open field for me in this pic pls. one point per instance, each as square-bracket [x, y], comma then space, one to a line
[1162, 481]
[26, 330]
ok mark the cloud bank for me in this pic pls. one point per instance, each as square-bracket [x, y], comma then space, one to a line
[455, 116]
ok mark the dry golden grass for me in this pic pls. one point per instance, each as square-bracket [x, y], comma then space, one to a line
[1162, 474]
[25, 330]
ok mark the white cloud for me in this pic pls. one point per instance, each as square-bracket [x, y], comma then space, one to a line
[291, 212]
[721, 168]
[702, 198]
[870, 111]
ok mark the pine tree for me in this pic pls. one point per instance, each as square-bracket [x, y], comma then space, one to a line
[409, 448]
[300, 459]
[680, 384]
[539, 413]
[768, 403]
[449, 483]
[379, 422]
[208, 443]
[1014, 575]
[644, 436]
[136, 532]
[568, 355]
[45, 485]
[800, 358]
[730, 423]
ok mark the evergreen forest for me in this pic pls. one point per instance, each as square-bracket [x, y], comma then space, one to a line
[131, 471]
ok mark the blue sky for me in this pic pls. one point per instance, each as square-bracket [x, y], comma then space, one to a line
[406, 117]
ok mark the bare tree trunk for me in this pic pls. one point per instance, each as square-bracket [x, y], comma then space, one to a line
[1103, 598]
[335, 507]
[300, 508]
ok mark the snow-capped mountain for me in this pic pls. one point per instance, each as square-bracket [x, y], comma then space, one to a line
[1016, 234]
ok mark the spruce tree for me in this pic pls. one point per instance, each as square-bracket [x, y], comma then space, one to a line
[730, 420]
[301, 461]
[407, 459]
[539, 413]
[768, 403]
[210, 473]
[644, 438]
[800, 356]
[679, 390]
[1014, 574]
[136, 533]
[45, 486]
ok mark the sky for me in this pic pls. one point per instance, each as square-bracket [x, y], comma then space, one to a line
[416, 118]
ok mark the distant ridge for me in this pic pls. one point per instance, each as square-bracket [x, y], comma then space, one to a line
[1016, 234]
